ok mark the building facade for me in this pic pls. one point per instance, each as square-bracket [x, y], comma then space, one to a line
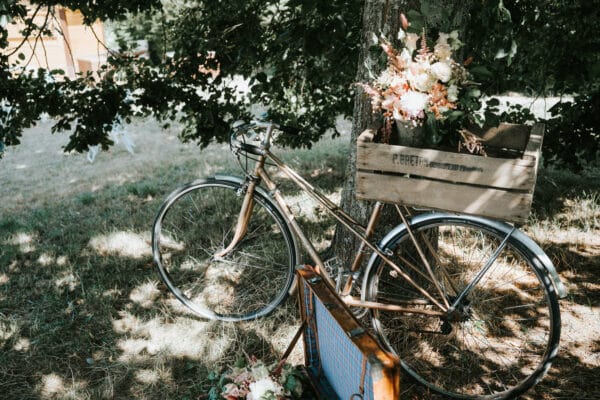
[69, 44]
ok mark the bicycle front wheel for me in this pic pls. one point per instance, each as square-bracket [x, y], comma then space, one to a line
[195, 224]
[498, 340]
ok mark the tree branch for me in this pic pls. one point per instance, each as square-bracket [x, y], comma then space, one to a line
[26, 37]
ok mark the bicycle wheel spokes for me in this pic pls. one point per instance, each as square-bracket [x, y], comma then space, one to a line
[499, 338]
[246, 282]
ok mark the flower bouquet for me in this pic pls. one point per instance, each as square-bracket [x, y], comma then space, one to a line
[423, 87]
[255, 380]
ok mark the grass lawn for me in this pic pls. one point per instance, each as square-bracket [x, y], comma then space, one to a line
[83, 314]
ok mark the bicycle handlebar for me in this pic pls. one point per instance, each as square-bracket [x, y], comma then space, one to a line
[245, 126]
[242, 128]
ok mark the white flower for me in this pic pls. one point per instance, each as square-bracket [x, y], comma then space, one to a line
[262, 387]
[410, 41]
[386, 78]
[442, 51]
[442, 38]
[231, 389]
[413, 103]
[260, 372]
[422, 82]
[420, 77]
[401, 34]
[388, 102]
[442, 71]
[453, 93]
[406, 57]
[397, 81]
[455, 41]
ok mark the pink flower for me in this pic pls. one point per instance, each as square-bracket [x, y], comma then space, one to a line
[231, 391]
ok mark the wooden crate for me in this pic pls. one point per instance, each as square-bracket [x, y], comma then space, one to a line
[341, 355]
[500, 188]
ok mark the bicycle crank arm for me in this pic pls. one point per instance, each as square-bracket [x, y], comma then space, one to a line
[354, 302]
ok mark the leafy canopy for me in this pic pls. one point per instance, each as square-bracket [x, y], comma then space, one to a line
[281, 50]
[297, 58]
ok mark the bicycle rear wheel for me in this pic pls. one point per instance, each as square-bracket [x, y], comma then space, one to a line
[499, 341]
[195, 223]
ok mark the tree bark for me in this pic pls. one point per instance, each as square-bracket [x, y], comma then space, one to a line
[379, 18]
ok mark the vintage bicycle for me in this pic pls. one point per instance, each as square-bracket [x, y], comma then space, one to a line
[469, 304]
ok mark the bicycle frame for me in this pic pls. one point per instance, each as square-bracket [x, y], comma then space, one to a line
[443, 290]
[364, 234]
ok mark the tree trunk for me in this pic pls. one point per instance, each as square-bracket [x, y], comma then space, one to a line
[380, 17]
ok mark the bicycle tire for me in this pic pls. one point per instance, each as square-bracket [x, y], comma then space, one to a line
[500, 341]
[196, 222]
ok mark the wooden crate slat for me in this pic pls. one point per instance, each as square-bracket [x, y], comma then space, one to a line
[534, 149]
[503, 173]
[512, 174]
[535, 142]
[501, 204]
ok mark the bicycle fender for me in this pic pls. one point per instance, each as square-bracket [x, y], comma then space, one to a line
[540, 256]
[240, 180]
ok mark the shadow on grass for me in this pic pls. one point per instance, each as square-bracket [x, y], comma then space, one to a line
[84, 315]
[556, 188]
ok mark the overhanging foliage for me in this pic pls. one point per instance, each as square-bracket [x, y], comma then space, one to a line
[298, 58]
[281, 49]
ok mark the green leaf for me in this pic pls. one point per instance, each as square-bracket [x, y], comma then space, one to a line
[261, 77]
[214, 394]
[240, 362]
[512, 52]
[493, 102]
[291, 383]
[416, 21]
[491, 119]
[213, 376]
[482, 72]
[473, 92]
[455, 115]
[502, 13]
